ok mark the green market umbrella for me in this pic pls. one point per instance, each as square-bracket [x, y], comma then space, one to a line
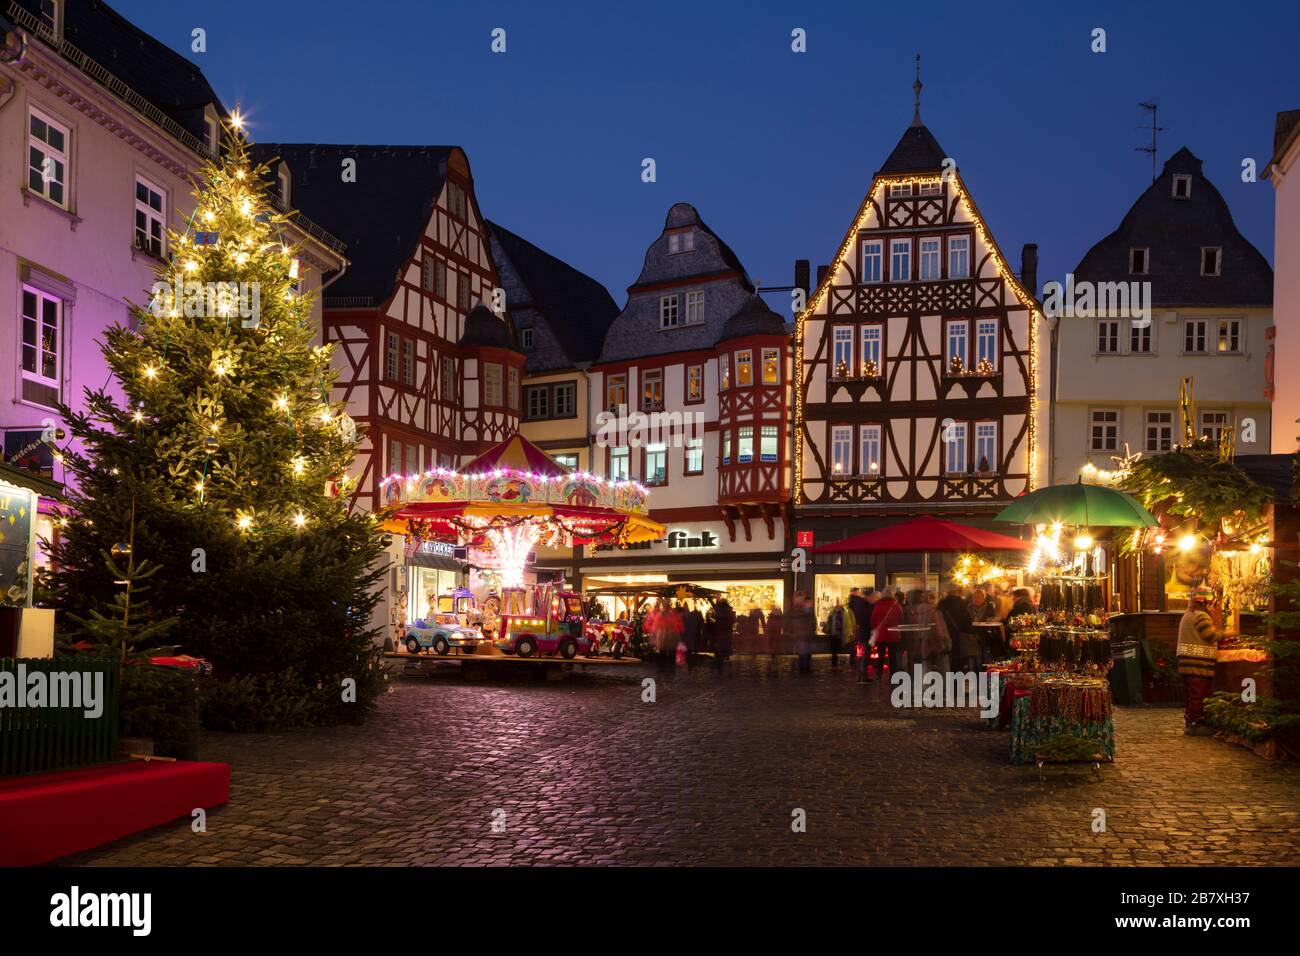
[1079, 504]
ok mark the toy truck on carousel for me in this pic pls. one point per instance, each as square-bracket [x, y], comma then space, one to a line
[453, 625]
[555, 624]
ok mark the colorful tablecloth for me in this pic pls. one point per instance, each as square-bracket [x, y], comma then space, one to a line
[1053, 710]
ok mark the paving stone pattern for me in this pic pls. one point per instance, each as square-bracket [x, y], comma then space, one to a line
[583, 772]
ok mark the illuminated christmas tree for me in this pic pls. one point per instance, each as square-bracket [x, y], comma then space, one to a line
[236, 463]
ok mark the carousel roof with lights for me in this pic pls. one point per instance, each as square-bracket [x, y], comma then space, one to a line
[516, 484]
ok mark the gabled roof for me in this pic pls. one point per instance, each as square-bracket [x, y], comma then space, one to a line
[754, 317]
[577, 308]
[917, 152]
[714, 255]
[381, 216]
[162, 76]
[1175, 231]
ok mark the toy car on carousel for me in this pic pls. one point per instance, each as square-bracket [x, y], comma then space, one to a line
[558, 632]
[440, 633]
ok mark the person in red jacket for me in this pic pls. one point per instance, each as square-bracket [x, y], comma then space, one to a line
[886, 615]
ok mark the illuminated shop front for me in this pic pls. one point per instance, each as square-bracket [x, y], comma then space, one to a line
[433, 570]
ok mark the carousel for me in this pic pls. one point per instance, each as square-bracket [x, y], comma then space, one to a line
[502, 506]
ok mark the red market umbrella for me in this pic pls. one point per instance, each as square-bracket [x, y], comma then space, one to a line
[923, 535]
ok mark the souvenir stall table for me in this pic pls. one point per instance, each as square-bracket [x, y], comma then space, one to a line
[1062, 711]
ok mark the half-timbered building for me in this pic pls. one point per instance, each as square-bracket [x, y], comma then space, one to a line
[690, 396]
[431, 374]
[918, 368]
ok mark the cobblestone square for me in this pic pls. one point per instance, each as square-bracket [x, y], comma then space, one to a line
[583, 772]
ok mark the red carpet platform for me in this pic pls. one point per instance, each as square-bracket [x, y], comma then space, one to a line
[49, 815]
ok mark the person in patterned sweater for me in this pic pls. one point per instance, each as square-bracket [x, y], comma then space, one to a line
[1198, 649]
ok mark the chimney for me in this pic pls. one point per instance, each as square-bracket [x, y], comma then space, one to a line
[1029, 268]
[821, 274]
[801, 268]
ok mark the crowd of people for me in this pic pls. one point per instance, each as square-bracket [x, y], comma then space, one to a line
[677, 631]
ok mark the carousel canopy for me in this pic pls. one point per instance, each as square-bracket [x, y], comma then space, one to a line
[516, 453]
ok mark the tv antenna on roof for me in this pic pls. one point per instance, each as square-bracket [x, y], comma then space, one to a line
[1151, 108]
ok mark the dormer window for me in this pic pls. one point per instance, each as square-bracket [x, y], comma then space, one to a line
[1211, 260]
[1182, 187]
[1139, 261]
[211, 130]
[681, 242]
[285, 180]
[52, 17]
[526, 339]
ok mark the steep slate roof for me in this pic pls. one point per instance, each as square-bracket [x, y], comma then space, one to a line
[482, 328]
[711, 267]
[161, 75]
[576, 307]
[381, 216]
[1175, 230]
[752, 318]
[1285, 130]
[917, 152]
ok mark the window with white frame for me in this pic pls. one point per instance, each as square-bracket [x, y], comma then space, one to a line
[394, 358]
[767, 443]
[620, 463]
[656, 464]
[652, 389]
[493, 382]
[726, 446]
[1211, 260]
[745, 444]
[986, 447]
[512, 387]
[745, 367]
[869, 458]
[462, 292]
[900, 189]
[930, 256]
[872, 255]
[412, 459]
[958, 353]
[408, 362]
[724, 371]
[211, 129]
[1214, 424]
[1182, 187]
[1230, 335]
[426, 273]
[694, 307]
[842, 351]
[1108, 335]
[440, 279]
[457, 201]
[526, 339]
[872, 364]
[1139, 260]
[1159, 431]
[771, 366]
[929, 189]
[842, 450]
[566, 399]
[695, 383]
[954, 444]
[51, 16]
[1104, 429]
[616, 392]
[47, 158]
[537, 401]
[986, 343]
[681, 242]
[150, 216]
[284, 182]
[569, 459]
[1194, 335]
[1139, 336]
[668, 312]
[900, 260]
[959, 257]
[395, 460]
[42, 327]
[694, 456]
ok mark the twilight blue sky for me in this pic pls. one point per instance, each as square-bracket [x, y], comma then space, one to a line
[774, 148]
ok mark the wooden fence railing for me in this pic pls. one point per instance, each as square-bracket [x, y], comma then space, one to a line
[43, 737]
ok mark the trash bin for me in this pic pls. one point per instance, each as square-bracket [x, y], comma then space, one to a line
[1126, 672]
